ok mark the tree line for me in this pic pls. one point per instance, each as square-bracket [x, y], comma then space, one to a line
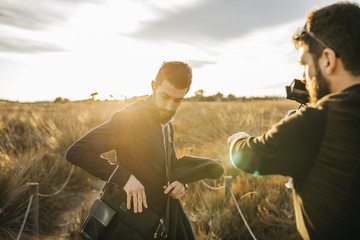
[219, 97]
[198, 96]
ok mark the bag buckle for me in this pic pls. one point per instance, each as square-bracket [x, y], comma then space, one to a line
[161, 228]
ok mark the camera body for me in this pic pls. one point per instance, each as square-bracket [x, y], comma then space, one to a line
[297, 91]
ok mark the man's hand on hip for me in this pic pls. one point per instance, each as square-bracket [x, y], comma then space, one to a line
[176, 189]
[135, 190]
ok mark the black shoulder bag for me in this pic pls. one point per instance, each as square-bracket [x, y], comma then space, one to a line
[112, 205]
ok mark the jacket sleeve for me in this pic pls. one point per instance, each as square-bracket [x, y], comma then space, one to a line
[188, 169]
[288, 148]
[86, 152]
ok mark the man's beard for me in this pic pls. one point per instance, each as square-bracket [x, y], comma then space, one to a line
[162, 115]
[319, 86]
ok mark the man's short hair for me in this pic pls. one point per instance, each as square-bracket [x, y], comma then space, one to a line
[337, 26]
[179, 74]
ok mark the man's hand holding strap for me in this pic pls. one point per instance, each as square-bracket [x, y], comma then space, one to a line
[176, 189]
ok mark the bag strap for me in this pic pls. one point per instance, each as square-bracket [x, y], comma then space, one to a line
[163, 226]
[168, 153]
[168, 173]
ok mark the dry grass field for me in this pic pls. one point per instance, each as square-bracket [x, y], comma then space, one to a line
[35, 136]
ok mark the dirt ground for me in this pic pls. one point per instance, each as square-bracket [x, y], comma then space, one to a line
[70, 221]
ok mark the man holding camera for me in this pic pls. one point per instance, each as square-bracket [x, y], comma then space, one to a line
[319, 146]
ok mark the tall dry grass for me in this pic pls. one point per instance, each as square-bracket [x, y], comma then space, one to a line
[202, 128]
[34, 137]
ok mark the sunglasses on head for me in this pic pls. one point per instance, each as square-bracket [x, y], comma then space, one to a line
[304, 31]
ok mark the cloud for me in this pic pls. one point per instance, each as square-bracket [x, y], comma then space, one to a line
[198, 63]
[215, 21]
[33, 15]
[11, 44]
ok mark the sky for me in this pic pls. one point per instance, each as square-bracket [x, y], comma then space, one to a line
[73, 48]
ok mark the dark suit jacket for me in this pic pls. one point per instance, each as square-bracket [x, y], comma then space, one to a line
[135, 133]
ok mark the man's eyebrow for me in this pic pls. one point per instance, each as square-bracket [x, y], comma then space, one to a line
[167, 96]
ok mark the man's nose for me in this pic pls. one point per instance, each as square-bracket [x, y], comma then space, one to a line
[303, 77]
[170, 105]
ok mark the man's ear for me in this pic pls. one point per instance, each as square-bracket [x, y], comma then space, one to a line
[153, 86]
[328, 61]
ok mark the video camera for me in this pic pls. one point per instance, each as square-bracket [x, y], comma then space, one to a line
[297, 91]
